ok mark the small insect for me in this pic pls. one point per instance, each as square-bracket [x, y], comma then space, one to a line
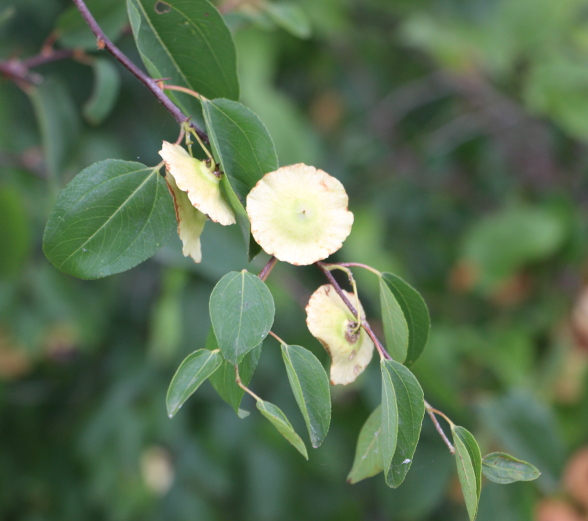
[406, 461]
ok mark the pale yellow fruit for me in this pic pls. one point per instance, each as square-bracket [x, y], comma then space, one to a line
[334, 326]
[197, 179]
[299, 214]
[190, 221]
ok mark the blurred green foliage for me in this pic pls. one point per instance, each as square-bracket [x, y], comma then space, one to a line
[459, 130]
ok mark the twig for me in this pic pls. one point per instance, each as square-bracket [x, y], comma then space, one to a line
[277, 338]
[19, 70]
[382, 350]
[432, 412]
[48, 57]
[364, 323]
[244, 387]
[359, 265]
[151, 84]
[268, 268]
[161, 84]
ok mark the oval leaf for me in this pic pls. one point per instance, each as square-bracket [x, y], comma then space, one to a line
[400, 384]
[242, 313]
[469, 468]
[310, 385]
[243, 144]
[395, 326]
[283, 426]
[192, 373]
[58, 122]
[503, 468]
[110, 217]
[368, 459]
[389, 417]
[105, 93]
[223, 380]
[189, 42]
[415, 312]
[242, 218]
[528, 427]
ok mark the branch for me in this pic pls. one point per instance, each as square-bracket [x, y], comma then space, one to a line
[381, 349]
[151, 84]
[48, 57]
[19, 71]
[444, 437]
[268, 268]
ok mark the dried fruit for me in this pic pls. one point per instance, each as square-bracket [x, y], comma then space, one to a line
[200, 182]
[334, 326]
[190, 221]
[299, 214]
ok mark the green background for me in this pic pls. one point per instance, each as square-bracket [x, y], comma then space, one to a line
[459, 130]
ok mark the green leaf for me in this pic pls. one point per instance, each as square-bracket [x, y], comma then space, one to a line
[416, 315]
[242, 218]
[105, 93]
[290, 17]
[243, 144]
[283, 426]
[403, 410]
[223, 380]
[368, 458]
[469, 467]
[112, 216]
[246, 153]
[310, 385]
[527, 427]
[189, 42]
[73, 31]
[242, 313]
[15, 234]
[395, 326]
[191, 374]
[58, 122]
[503, 469]
[389, 417]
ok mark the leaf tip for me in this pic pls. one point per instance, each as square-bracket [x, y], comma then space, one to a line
[171, 411]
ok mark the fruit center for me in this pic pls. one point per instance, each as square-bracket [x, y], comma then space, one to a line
[303, 212]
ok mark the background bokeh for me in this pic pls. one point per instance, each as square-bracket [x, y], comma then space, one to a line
[459, 130]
